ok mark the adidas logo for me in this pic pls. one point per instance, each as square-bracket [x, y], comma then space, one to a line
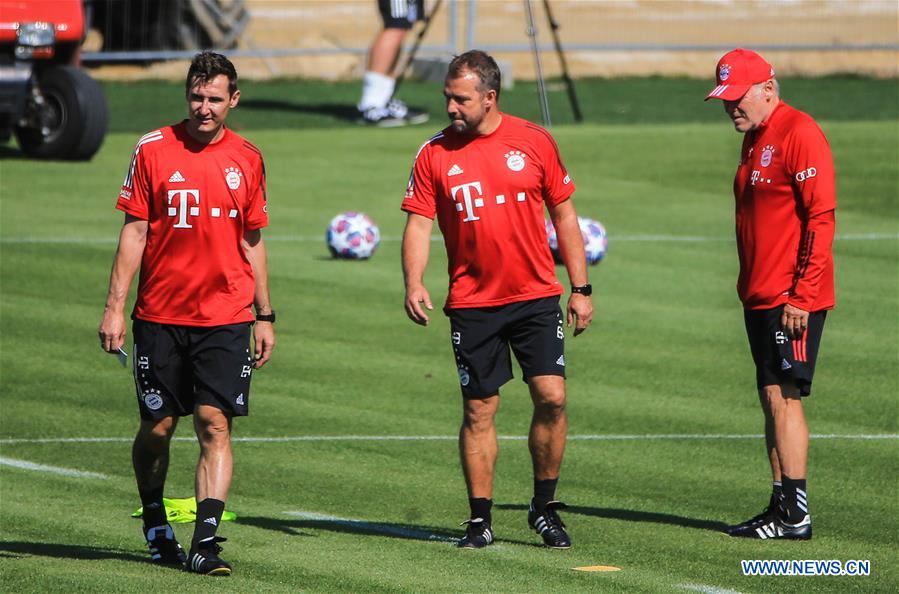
[454, 170]
[176, 177]
[561, 361]
[784, 365]
[240, 399]
[211, 521]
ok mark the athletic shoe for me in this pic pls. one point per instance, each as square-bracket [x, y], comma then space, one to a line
[748, 527]
[393, 115]
[777, 528]
[204, 558]
[478, 534]
[164, 547]
[548, 525]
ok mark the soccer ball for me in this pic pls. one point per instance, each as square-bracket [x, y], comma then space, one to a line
[595, 240]
[352, 236]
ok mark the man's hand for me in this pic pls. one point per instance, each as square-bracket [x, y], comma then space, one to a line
[793, 321]
[264, 341]
[580, 311]
[416, 297]
[112, 331]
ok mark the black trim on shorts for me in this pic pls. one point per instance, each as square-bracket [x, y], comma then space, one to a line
[778, 359]
[484, 338]
[177, 368]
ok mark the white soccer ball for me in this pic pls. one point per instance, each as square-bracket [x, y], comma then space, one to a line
[595, 240]
[353, 236]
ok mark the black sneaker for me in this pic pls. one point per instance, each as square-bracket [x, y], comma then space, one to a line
[164, 547]
[478, 534]
[748, 527]
[393, 115]
[549, 525]
[778, 528]
[204, 558]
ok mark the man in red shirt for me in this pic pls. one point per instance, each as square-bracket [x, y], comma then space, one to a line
[486, 178]
[785, 201]
[194, 203]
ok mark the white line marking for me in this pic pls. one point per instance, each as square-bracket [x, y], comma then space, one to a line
[395, 238]
[366, 526]
[52, 469]
[707, 589]
[293, 438]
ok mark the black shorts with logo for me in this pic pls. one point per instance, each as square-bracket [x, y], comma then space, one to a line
[482, 337]
[779, 360]
[177, 368]
[400, 14]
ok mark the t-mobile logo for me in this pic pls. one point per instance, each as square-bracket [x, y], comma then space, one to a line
[470, 202]
[188, 204]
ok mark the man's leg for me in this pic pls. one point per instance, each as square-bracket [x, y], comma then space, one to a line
[546, 441]
[791, 445]
[477, 445]
[150, 458]
[378, 83]
[549, 426]
[477, 451]
[214, 470]
[771, 448]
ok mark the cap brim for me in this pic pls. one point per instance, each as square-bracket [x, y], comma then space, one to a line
[728, 92]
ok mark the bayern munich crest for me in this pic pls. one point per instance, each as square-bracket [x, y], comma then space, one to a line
[724, 72]
[515, 160]
[766, 156]
[152, 399]
[464, 377]
[232, 177]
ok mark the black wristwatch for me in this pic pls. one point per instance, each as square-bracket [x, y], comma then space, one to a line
[585, 290]
[266, 317]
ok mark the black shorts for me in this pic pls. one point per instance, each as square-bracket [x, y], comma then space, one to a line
[779, 360]
[177, 368]
[481, 339]
[401, 14]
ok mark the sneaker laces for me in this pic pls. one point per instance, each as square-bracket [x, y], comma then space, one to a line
[212, 544]
[551, 517]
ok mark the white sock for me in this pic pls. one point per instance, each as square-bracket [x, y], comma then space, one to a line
[377, 89]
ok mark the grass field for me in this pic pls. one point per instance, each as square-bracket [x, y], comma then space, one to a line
[664, 420]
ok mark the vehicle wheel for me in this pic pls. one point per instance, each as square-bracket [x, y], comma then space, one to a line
[71, 123]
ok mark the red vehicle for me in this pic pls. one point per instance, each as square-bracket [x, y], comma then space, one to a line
[53, 107]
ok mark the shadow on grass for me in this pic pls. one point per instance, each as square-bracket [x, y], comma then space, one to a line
[302, 526]
[630, 515]
[346, 113]
[18, 549]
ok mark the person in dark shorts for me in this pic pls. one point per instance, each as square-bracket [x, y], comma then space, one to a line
[487, 178]
[194, 202]
[785, 194]
[378, 106]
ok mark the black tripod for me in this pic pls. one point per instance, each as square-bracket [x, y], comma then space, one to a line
[532, 33]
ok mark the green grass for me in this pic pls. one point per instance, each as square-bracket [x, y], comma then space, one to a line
[667, 355]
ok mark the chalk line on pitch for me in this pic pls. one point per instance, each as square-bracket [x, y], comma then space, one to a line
[25, 465]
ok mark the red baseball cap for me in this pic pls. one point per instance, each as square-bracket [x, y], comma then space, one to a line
[737, 71]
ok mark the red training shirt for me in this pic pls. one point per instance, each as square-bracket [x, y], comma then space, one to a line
[487, 193]
[785, 199]
[199, 200]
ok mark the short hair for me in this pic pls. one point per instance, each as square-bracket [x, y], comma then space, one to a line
[480, 63]
[206, 66]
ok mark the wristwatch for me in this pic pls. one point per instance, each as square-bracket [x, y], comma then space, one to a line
[266, 317]
[585, 290]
